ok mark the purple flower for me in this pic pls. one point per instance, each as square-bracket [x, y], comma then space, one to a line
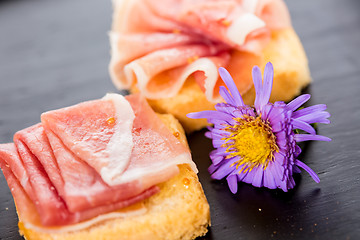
[258, 145]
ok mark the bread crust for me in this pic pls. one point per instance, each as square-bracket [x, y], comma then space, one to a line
[292, 74]
[179, 211]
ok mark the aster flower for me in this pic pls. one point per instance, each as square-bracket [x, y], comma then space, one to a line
[258, 144]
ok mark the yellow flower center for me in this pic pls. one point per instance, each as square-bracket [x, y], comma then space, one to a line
[253, 141]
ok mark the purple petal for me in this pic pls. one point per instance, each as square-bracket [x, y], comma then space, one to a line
[242, 175]
[232, 182]
[210, 114]
[220, 132]
[277, 127]
[249, 177]
[283, 185]
[268, 81]
[308, 137]
[297, 102]
[279, 104]
[281, 138]
[297, 124]
[296, 169]
[219, 152]
[258, 177]
[218, 123]
[224, 169]
[226, 95]
[309, 170]
[213, 168]
[208, 135]
[266, 111]
[269, 181]
[226, 77]
[217, 143]
[216, 138]
[319, 117]
[216, 160]
[278, 168]
[291, 183]
[239, 112]
[225, 107]
[276, 115]
[309, 110]
[297, 150]
[257, 79]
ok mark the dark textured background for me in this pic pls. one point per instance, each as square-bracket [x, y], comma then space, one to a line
[55, 53]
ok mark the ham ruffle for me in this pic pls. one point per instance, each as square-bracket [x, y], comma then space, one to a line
[160, 44]
[90, 159]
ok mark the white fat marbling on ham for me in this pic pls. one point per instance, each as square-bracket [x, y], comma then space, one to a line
[242, 26]
[250, 5]
[117, 63]
[208, 67]
[146, 173]
[121, 143]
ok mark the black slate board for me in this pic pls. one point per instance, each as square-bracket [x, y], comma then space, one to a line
[55, 53]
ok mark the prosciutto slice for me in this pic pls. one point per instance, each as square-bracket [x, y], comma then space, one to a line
[52, 211]
[66, 168]
[156, 44]
[11, 160]
[77, 183]
[99, 132]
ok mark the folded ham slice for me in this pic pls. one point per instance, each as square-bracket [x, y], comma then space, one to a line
[90, 159]
[99, 132]
[50, 207]
[155, 43]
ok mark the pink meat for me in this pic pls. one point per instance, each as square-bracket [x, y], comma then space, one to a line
[77, 183]
[153, 159]
[24, 205]
[83, 128]
[35, 139]
[242, 26]
[11, 161]
[50, 208]
[84, 188]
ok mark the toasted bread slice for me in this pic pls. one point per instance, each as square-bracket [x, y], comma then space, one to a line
[179, 211]
[287, 55]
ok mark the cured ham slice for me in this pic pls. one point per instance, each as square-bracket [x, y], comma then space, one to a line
[24, 204]
[126, 49]
[162, 61]
[90, 159]
[78, 184]
[154, 145]
[99, 132]
[52, 212]
[151, 41]
[10, 160]
[28, 215]
[37, 143]
[48, 203]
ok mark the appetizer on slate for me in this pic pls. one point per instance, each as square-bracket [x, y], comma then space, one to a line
[103, 169]
[170, 51]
